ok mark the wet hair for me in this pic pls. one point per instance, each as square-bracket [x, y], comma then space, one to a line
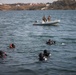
[12, 45]
[41, 57]
[50, 42]
[2, 54]
[46, 53]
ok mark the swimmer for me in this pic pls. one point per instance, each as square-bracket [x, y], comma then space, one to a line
[2, 54]
[46, 53]
[50, 42]
[41, 57]
[12, 46]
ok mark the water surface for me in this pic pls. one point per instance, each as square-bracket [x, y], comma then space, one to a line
[17, 27]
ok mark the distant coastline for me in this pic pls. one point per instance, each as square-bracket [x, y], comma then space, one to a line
[56, 5]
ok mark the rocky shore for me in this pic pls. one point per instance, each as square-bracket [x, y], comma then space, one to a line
[56, 5]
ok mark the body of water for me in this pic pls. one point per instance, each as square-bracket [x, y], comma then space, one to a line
[17, 27]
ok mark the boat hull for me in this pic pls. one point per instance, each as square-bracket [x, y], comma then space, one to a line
[48, 23]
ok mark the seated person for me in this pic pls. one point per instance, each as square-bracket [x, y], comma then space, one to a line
[49, 19]
[44, 19]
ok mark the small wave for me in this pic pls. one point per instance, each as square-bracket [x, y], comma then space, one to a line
[21, 71]
[73, 58]
[66, 70]
[69, 38]
[42, 36]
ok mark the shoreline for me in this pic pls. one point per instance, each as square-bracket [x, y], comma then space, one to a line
[56, 5]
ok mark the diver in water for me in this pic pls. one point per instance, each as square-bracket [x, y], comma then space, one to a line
[12, 46]
[44, 56]
[50, 42]
[46, 53]
[2, 54]
[41, 57]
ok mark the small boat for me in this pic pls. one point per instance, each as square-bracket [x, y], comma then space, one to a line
[47, 23]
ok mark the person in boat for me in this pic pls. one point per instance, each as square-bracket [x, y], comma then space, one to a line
[46, 53]
[49, 18]
[44, 19]
[2, 54]
[50, 42]
[12, 46]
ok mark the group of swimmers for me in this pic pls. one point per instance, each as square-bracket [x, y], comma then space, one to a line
[3, 54]
[44, 19]
[45, 54]
[42, 56]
